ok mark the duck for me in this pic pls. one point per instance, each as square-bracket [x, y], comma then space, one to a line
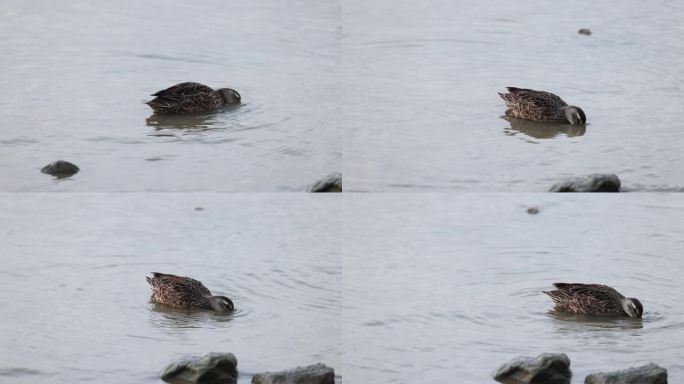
[534, 105]
[185, 292]
[594, 299]
[191, 98]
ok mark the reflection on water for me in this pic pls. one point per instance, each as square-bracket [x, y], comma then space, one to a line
[588, 323]
[18, 373]
[203, 121]
[543, 130]
[195, 121]
[181, 316]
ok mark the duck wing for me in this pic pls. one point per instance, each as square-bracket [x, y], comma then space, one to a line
[535, 104]
[183, 90]
[177, 284]
[586, 298]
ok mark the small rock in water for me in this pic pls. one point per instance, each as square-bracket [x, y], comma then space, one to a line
[199, 209]
[597, 182]
[532, 210]
[312, 374]
[547, 368]
[646, 374]
[60, 169]
[331, 183]
[212, 368]
[584, 31]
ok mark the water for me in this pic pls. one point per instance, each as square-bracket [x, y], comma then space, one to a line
[75, 303]
[75, 75]
[422, 111]
[444, 288]
[384, 288]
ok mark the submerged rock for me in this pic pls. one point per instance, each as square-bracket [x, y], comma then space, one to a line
[331, 183]
[547, 368]
[212, 368]
[584, 31]
[312, 374]
[597, 182]
[60, 169]
[646, 374]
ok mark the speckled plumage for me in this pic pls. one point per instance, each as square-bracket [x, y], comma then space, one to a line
[591, 299]
[540, 106]
[190, 98]
[183, 292]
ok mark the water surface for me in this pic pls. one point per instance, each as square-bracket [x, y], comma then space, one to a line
[422, 111]
[75, 75]
[75, 303]
[438, 286]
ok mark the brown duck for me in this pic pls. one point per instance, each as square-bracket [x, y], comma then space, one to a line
[191, 98]
[184, 292]
[594, 299]
[540, 106]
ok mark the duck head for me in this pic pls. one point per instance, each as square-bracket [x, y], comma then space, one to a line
[575, 115]
[221, 304]
[632, 307]
[230, 96]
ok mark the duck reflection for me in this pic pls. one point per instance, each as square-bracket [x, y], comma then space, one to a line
[195, 121]
[596, 322]
[164, 316]
[544, 130]
[175, 320]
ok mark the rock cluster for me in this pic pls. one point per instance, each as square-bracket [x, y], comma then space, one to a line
[554, 368]
[597, 182]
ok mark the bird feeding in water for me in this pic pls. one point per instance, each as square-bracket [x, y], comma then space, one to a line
[185, 292]
[191, 98]
[534, 105]
[594, 299]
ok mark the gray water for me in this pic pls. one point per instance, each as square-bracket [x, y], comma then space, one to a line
[440, 288]
[384, 288]
[75, 303]
[75, 75]
[422, 111]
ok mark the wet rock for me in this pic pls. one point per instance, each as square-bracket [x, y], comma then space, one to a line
[584, 31]
[646, 374]
[331, 183]
[597, 182]
[212, 368]
[312, 374]
[60, 169]
[547, 368]
[532, 210]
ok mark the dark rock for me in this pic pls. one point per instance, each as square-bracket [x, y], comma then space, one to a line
[646, 374]
[312, 374]
[331, 183]
[547, 368]
[532, 210]
[212, 368]
[584, 31]
[60, 169]
[597, 182]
